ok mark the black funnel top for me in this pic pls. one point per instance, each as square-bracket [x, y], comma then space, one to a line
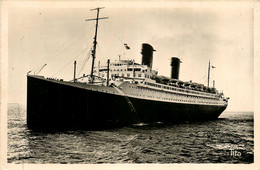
[175, 63]
[147, 55]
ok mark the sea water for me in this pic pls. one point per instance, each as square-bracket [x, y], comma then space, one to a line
[229, 139]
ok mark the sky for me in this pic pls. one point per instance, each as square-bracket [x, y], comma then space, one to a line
[58, 35]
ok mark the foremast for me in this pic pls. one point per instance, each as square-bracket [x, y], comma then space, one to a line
[95, 42]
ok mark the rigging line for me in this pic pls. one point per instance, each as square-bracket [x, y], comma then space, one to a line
[73, 58]
[69, 45]
[122, 49]
[101, 55]
[73, 43]
[104, 37]
[69, 62]
[84, 63]
[57, 51]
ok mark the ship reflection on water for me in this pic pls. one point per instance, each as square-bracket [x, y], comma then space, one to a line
[228, 139]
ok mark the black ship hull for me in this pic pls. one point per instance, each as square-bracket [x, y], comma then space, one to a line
[57, 105]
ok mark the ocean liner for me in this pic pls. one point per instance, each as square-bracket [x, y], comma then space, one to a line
[120, 93]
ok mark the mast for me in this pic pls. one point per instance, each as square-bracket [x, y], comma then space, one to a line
[108, 62]
[74, 77]
[133, 69]
[95, 41]
[208, 73]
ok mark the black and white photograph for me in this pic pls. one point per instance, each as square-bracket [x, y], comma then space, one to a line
[133, 83]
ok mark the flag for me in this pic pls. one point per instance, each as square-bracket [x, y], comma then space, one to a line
[213, 66]
[127, 47]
